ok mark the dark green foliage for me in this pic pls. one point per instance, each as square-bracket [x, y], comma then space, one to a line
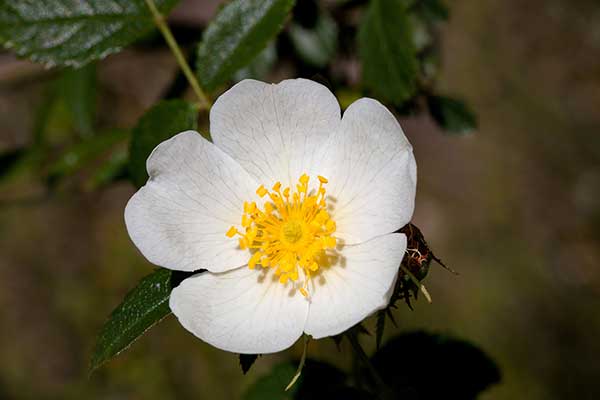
[434, 10]
[236, 35]
[271, 386]
[342, 392]
[432, 366]
[113, 169]
[246, 361]
[79, 155]
[319, 381]
[65, 32]
[453, 115]
[260, 66]
[78, 89]
[387, 52]
[144, 306]
[415, 365]
[317, 45]
[161, 122]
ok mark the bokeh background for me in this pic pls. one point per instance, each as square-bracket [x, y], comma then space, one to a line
[513, 207]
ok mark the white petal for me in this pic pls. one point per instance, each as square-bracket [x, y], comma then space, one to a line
[372, 173]
[357, 286]
[195, 193]
[274, 131]
[242, 311]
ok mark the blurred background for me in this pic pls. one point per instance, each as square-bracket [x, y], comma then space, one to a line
[514, 207]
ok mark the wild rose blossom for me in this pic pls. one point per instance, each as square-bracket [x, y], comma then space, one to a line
[291, 210]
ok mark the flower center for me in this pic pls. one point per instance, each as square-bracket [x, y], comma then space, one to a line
[292, 232]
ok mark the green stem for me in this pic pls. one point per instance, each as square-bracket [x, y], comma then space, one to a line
[159, 20]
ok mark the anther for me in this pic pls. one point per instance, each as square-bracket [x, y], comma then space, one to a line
[261, 191]
[231, 232]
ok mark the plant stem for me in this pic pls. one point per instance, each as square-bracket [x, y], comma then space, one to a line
[159, 20]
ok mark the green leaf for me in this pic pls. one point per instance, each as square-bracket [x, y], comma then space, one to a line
[321, 380]
[67, 32]
[452, 115]
[113, 169]
[434, 366]
[142, 307]
[78, 88]
[236, 35]
[80, 154]
[271, 386]
[260, 66]
[158, 124]
[246, 361]
[386, 49]
[318, 45]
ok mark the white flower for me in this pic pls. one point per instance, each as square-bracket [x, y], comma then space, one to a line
[312, 249]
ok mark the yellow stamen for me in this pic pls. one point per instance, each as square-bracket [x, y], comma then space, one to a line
[292, 232]
[304, 179]
[254, 259]
[261, 191]
[246, 222]
[231, 232]
[249, 208]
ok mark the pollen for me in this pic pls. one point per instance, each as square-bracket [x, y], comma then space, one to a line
[291, 233]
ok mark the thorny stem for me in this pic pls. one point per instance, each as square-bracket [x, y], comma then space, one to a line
[359, 351]
[159, 20]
